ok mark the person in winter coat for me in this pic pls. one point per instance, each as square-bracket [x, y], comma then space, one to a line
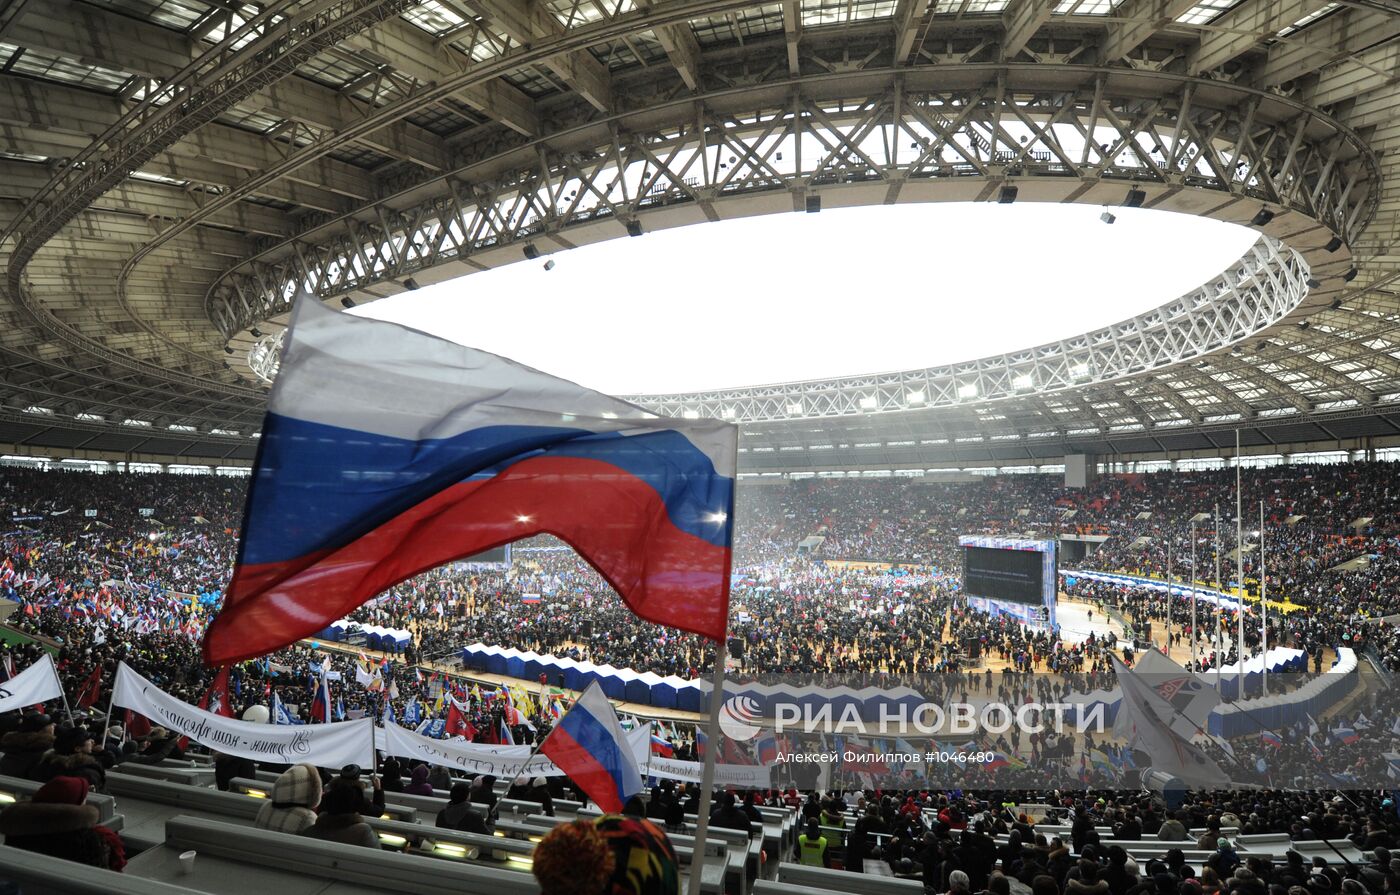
[291, 808]
[460, 814]
[418, 784]
[25, 748]
[1172, 830]
[440, 777]
[71, 756]
[1088, 882]
[227, 767]
[57, 822]
[340, 819]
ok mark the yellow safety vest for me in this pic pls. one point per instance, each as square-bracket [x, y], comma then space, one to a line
[813, 851]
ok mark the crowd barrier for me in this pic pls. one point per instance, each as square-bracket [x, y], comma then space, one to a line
[646, 688]
[389, 640]
[672, 692]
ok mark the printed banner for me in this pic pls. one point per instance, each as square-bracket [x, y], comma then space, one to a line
[478, 758]
[739, 776]
[323, 745]
[35, 684]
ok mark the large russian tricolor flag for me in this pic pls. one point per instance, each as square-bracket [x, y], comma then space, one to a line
[386, 452]
[589, 745]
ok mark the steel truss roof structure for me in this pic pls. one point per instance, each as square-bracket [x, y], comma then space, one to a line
[173, 172]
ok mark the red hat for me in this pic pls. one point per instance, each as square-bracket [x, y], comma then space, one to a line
[63, 791]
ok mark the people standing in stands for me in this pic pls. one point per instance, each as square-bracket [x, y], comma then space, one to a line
[418, 784]
[350, 778]
[227, 767]
[812, 847]
[25, 748]
[460, 814]
[291, 808]
[440, 777]
[392, 773]
[59, 823]
[160, 745]
[340, 819]
[71, 756]
[729, 816]
[609, 856]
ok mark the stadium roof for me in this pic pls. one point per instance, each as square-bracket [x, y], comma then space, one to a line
[173, 172]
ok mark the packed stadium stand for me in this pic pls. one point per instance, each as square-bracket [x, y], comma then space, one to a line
[1220, 475]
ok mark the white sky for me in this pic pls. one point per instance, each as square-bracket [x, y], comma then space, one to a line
[805, 296]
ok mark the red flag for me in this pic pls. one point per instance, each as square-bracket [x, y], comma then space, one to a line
[87, 697]
[137, 725]
[457, 723]
[216, 698]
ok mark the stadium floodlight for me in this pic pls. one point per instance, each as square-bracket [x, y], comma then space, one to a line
[1333, 244]
[347, 302]
[967, 391]
[1025, 380]
[257, 333]
[1107, 217]
[549, 265]
[1262, 218]
[1314, 283]
[1349, 276]
[915, 397]
[814, 204]
[531, 253]
[634, 228]
[228, 349]
[1007, 195]
[1303, 324]
[1135, 198]
[411, 284]
[868, 402]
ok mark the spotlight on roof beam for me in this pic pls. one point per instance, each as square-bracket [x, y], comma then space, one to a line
[1135, 198]
[257, 333]
[1313, 282]
[1008, 195]
[1336, 304]
[1107, 217]
[1303, 324]
[531, 253]
[347, 302]
[1333, 244]
[228, 350]
[411, 284]
[1349, 276]
[549, 265]
[634, 228]
[814, 204]
[1262, 218]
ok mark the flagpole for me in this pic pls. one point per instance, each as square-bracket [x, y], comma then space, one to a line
[1218, 614]
[1239, 560]
[1167, 645]
[63, 693]
[1194, 630]
[707, 777]
[1263, 607]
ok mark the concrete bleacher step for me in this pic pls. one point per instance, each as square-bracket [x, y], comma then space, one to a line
[233, 860]
[792, 876]
[37, 874]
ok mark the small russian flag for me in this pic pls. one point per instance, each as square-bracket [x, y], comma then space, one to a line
[1345, 735]
[661, 747]
[588, 745]
[1270, 739]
